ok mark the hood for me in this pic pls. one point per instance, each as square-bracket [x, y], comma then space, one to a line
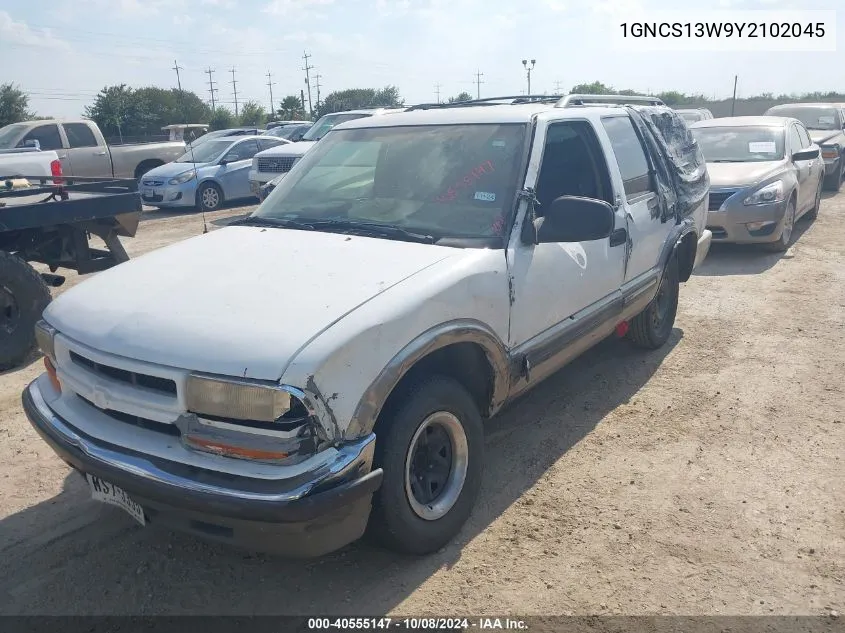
[288, 149]
[820, 136]
[241, 301]
[742, 174]
[171, 170]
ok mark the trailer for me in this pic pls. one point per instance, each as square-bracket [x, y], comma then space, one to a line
[51, 222]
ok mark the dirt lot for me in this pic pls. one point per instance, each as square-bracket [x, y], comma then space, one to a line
[705, 478]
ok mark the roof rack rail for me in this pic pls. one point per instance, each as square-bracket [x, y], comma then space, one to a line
[506, 100]
[585, 99]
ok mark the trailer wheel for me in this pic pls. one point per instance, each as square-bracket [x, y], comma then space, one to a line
[23, 297]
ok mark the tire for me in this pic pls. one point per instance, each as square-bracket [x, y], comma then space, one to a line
[209, 197]
[146, 166]
[398, 520]
[23, 297]
[651, 328]
[782, 243]
[833, 182]
[813, 213]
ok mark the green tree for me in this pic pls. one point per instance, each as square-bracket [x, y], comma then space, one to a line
[463, 96]
[672, 97]
[14, 105]
[221, 119]
[291, 109]
[356, 98]
[595, 88]
[252, 114]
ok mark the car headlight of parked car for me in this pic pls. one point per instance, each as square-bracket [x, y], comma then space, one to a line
[234, 399]
[773, 192]
[183, 178]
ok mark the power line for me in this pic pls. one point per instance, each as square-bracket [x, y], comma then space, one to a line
[308, 70]
[478, 82]
[235, 89]
[211, 88]
[270, 85]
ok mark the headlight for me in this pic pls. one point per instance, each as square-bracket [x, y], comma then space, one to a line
[183, 178]
[234, 399]
[255, 164]
[773, 192]
[45, 336]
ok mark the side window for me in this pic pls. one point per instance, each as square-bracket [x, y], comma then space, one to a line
[79, 135]
[794, 139]
[266, 143]
[573, 165]
[630, 155]
[805, 136]
[245, 150]
[46, 135]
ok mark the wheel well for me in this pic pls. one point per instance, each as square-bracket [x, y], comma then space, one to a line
[685, 252]
[464, 362]
[146, 165]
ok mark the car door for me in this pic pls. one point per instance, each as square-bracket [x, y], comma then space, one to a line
[633, 176]
[87, 158]
[816, 165]
[806, 193]
[562, 291]
[234, 169]
[49, 138]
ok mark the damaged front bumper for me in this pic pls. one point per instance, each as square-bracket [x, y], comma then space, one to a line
[303, 516]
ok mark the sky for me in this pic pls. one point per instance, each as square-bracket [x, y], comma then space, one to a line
[62, 52]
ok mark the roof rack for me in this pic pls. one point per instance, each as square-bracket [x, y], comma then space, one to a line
[489, 101]
[579, 100]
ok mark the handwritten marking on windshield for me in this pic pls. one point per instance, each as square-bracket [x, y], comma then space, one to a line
[471, 178]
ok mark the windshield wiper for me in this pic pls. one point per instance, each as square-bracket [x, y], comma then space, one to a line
[373, 229]
[275, 223]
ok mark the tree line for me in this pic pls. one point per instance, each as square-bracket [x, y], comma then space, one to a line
[125, 113]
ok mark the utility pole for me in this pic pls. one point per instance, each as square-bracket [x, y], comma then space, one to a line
[235, 89]
[308, 70]
[211, 88]
[733, 100]
[528, 70]
[317, 78]
[478, 82]
[270, 85]
[437, 91]
[177, 68]
[557, 87]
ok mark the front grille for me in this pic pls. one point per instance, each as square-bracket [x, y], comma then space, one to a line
[154, 383]
[153, 183]
[280, 165]
[134, 420]
[717, 198]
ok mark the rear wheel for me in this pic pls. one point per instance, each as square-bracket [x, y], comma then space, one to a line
[209, 197]
[146, 166]
[651, 328]
[23, 297]
[431, 447]
[785, 239]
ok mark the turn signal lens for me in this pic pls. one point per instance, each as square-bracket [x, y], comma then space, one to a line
[51, 372]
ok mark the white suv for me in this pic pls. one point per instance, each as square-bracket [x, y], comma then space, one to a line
[332, 367]
[273, 163]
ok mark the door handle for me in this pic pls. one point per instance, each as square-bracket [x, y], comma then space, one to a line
[99, 153]
[619, 237]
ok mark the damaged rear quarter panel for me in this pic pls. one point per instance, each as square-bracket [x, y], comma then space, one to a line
[340, 365]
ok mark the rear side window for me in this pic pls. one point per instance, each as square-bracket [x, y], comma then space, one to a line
[266, 143]
[630, 155]
[79, 135]
[247, 149]
[46, 135]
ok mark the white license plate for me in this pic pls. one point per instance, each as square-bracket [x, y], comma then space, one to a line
[111, 494]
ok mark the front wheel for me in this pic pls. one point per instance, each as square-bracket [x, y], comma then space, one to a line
[23, 297]
[651, 328]
[782, 243]
[431, 447]
[813, 213]
[209, 197]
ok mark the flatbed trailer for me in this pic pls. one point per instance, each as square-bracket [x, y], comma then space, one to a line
[51, 223]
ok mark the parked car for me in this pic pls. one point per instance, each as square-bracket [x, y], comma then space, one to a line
[84, 152]
[292, 131]
[826, 124]
[270, 164]
[28, 161]
[275, 124]
[206, 176]
[238, 131]
[692, 115]
[328, 362]
[765, 174]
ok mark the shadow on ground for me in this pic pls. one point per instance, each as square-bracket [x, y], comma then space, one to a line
[70, 555]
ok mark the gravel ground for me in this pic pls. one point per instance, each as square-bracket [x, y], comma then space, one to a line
[705, 478]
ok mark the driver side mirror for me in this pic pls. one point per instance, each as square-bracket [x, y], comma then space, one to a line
[807, 154]
[230, 158]
[574, 219]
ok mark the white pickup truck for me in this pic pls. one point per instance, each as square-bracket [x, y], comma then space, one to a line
[83, 150]
[331, 368]
[28, 161]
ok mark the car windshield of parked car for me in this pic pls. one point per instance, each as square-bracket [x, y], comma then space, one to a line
[813, 117]
[691, 117]
[10, 133]
[740, 144]
[207, 152]
[455, 181]
[327, 122]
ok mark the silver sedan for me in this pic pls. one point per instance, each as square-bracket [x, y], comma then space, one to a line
[765, 173]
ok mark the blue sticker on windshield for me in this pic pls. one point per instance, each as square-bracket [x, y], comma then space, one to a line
[485, 196]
